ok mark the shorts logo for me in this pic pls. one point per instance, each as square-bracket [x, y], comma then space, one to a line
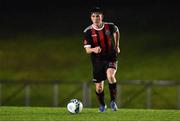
[94, 80]
[112, 64]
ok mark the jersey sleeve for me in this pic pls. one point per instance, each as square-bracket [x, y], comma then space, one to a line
[114, 28]
[86, 39]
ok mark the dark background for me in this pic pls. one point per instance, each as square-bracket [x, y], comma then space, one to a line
[71, 17]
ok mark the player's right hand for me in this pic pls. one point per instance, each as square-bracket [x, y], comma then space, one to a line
[97, 49]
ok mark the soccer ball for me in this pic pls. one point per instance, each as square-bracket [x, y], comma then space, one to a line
[75, 106]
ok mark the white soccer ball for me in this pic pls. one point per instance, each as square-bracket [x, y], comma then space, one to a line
[75, 106]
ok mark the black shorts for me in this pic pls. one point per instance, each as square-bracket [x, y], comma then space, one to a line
[100, 68]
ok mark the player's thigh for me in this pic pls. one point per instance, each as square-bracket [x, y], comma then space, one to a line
[111, 68]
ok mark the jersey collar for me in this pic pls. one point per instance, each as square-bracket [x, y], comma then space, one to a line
[98, 28]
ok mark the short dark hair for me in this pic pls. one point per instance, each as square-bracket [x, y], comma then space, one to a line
[96, 10]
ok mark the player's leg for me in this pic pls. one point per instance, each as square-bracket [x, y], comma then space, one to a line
[112, 83]
[100, 92]
[100, 95]
[111, 72]
[99, 75]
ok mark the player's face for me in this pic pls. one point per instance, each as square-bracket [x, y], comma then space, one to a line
[96, 18]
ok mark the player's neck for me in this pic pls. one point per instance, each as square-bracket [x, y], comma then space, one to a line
[98, 25]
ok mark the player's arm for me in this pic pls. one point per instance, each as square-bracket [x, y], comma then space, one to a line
[87, 44]
[90, 50]
[116, 35]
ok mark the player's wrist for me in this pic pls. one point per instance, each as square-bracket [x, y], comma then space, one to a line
[117, 46]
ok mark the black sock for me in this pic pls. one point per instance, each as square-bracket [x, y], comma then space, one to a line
[113, 91]
[100, 97]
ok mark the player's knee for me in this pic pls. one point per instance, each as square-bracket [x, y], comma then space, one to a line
[112, 81]
[110, 76]
[99, 89]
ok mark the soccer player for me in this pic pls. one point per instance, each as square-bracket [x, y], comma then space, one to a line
[101, 41]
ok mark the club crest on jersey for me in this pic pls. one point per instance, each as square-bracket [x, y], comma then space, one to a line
[107, 32]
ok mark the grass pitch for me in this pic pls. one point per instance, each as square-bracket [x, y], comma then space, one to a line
[88, 114]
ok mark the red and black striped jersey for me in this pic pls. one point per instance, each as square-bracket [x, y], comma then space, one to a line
[102, 37]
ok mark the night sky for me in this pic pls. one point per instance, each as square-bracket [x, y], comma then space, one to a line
[56, 16]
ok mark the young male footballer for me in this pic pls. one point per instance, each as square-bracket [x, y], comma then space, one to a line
[101, 41]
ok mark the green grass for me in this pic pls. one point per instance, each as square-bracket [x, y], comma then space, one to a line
[88, 114]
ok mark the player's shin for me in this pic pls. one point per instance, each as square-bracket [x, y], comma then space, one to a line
[100, 97]
[113, 91]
